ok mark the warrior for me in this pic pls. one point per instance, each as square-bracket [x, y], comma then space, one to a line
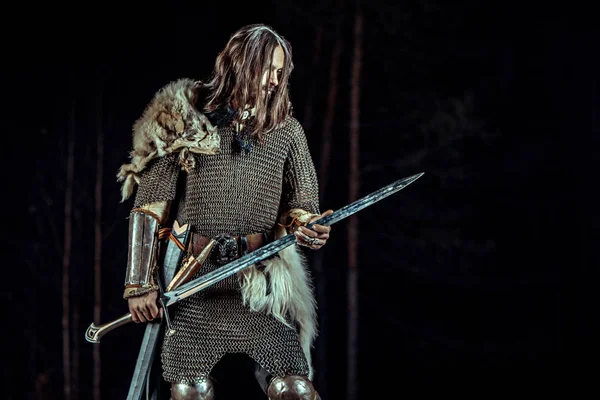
[226, 157]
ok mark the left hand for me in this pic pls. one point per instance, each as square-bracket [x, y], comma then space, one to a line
[316, 237]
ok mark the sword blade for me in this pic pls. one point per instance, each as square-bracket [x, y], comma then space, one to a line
[202, 282]
[154, 330]
[366, 201]
[145, 359]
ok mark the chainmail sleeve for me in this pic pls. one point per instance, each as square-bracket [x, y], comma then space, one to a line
[300, 185]
[159, 181]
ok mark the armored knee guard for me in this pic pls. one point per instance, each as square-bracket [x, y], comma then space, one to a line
[198, 391]
[292, 387]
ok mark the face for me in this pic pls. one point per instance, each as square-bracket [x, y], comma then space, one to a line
[270, 83]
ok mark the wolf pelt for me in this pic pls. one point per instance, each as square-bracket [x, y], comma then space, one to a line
[292, 293]
[171, 122]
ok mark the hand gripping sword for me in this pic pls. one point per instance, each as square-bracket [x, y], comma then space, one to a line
[168, 298]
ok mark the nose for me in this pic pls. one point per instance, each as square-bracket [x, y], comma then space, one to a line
[274, 81]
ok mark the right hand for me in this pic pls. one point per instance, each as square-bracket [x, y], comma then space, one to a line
[144, 308]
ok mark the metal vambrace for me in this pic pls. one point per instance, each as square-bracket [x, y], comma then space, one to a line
[142, 253]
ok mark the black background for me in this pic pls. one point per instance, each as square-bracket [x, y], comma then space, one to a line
[480, 271]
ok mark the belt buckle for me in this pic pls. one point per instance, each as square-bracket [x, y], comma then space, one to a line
[226, 248]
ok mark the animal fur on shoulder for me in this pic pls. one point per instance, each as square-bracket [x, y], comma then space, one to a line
[169, 123]
[292, 293]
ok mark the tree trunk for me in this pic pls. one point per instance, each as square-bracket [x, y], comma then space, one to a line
[98, 241]
[353, 190]
[67, 257]
[323, 176]
[331, 103]
[75, 354]
[307, 122]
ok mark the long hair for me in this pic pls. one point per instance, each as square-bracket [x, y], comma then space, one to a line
[238, 71]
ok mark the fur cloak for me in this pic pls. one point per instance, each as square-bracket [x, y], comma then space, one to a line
[170, 123]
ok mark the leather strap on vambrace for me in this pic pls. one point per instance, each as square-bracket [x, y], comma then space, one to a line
[294, 218]
[142, 254]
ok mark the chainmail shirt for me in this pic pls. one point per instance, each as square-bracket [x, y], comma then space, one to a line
[237, 193]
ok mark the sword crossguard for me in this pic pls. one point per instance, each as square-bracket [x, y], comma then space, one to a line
[162, 301]
[170, 331]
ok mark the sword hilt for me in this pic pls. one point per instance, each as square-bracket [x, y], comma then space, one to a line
[94, 333]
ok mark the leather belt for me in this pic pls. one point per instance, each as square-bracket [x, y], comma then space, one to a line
[227, 247]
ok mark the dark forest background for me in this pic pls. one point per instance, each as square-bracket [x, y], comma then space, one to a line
[480, 271]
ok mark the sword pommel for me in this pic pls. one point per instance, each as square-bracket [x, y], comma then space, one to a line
[94, 333]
